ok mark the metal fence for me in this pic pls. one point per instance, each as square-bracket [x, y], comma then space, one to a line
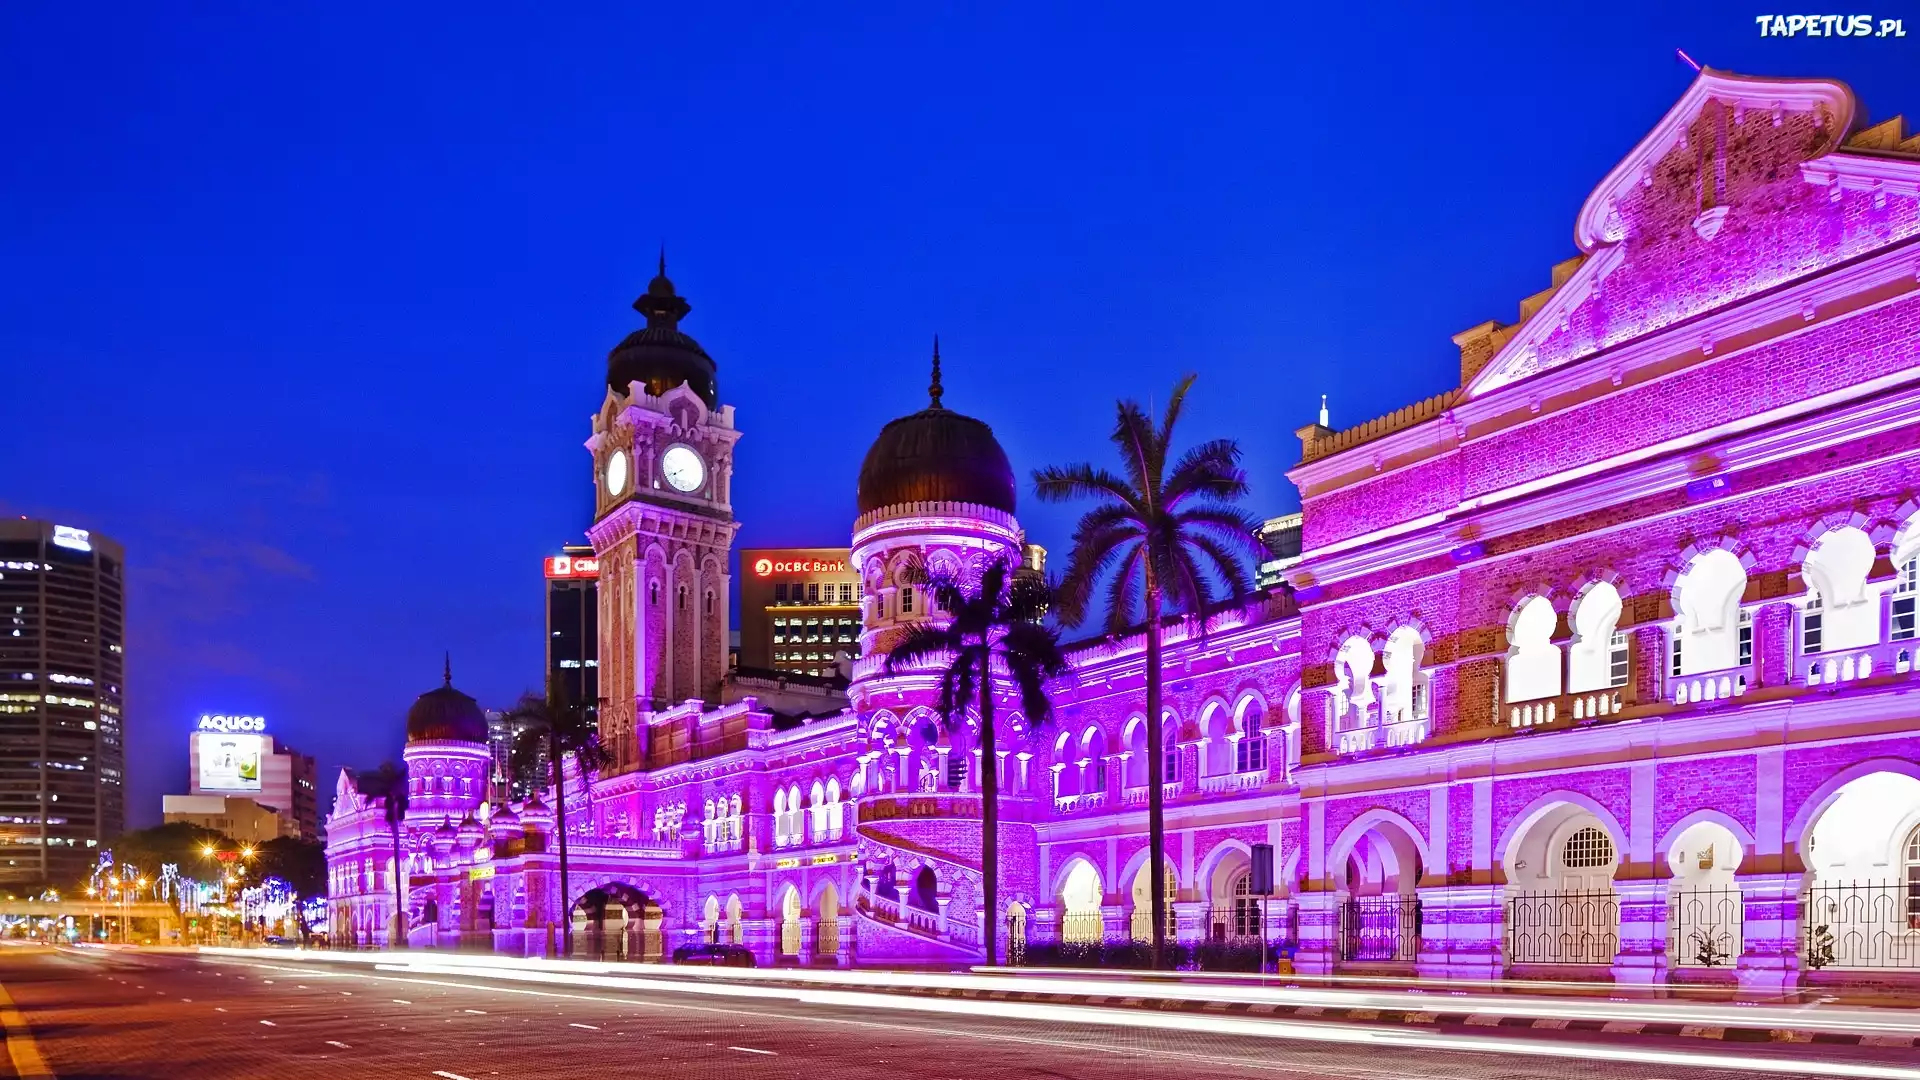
[1238, 921]
[1083, 927]
[1380, 928]
[1563, 927]
[1861, 924]
[1705, 927]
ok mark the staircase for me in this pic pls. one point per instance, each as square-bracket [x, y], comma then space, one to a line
[907, 832]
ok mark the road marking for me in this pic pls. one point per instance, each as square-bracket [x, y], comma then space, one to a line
[269, 1023]
[346, 993]
[751, 1050]
[401, 1001]
[217, 1008]
[341, 1045]
[21, 1048]
[588, 1027]
[450, 1076]
[299, 986]
[476, 1012]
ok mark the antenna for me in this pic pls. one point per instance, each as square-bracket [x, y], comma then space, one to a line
[1691, 62]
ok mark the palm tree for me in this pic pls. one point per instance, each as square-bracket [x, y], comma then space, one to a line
[991, 633]
[1171, 541]
[558, 727]
[389, 783]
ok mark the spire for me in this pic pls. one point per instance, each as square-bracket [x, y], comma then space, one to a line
[663, 258]
[933, 390]
[1323, 412]
[660, 303]
[446, 673]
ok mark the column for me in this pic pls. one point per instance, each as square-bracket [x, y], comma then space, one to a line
[1642, 956]
[1462, 932]
[1190, 921]
[1319, 949]
[1770, 933]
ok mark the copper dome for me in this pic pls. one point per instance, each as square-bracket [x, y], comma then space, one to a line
[658, 355]
[936, 455]
[446, 713]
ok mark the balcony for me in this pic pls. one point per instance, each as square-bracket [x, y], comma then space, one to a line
[1570, 708]
[1136, 797]
[1836, 667]
[1229, 783]
[1073, 804]
[1709, 686]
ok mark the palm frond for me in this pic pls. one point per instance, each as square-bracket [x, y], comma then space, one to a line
[1063, 483]
[1175, 405]
[1093, 555]
[1211, 469]
[1141, 452]
[923, 643]
[1123, 595]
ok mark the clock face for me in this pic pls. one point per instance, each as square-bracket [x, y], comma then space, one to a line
[617, 473]
[683, 468]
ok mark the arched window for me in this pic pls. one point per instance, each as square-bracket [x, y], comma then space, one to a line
[1405, 688]
[653, 593]
[818, 812]
[836, 810]
[1246, 908]
[1597, 659]
[1250, 750]
[709, 602]
[1913, 879]
[1352, 698]
[1169, 751]
[1588, 848]
[1839, 612]
[1708, 633]
[780, 819]
[796, 815]
[1533, 660]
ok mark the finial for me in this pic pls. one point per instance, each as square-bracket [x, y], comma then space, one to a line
[1323, 412]
[934, 390]
[663, 258]
[447, 672]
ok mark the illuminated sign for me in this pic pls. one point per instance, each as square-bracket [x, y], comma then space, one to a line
[765, 567]
[227, 724]
[67, 536]
[230, 762]
[785, 864]
[825, 860]
[480, 873]
[573, 566]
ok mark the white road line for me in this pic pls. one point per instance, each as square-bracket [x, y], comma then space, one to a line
[450, 1076]
[346, 993]
[588, 1027]
[217, 1008]
[269, 1023]
[751, 1050]
[401, 1001]
[476, 1012]
[341, 1045]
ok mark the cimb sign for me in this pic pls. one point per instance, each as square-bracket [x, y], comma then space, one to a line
[228, 724]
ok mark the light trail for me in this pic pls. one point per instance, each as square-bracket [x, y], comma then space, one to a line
[1343, 1034]
[1688, 1014]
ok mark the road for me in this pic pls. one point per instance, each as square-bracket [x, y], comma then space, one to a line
[99, 1015]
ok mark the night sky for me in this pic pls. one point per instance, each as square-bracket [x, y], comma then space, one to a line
[310, 310]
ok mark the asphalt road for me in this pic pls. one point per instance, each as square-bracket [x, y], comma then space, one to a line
[97, 1015]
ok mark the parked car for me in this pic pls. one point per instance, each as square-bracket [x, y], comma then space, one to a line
[714, 954]
[275, 941]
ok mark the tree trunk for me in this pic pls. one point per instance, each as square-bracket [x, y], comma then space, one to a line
[1156, 756]
[560, 827]
[989, 816]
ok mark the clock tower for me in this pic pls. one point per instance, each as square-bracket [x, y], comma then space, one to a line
[663, 526]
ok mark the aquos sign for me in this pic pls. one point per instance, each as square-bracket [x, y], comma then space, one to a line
[768, 567]
[227, 725]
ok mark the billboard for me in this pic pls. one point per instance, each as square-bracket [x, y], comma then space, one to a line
[572, 566]
[230, 762]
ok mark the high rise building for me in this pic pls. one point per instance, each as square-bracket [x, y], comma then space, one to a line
[62, 660]
[799, 608]
[573, 626]
[233, 755]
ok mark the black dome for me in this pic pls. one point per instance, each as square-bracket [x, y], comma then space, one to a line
[658, 354]
[936, 455]
[446, 713]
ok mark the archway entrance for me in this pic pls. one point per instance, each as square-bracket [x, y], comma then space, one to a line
[1081, 922]
[616, 922]
[1706, 913]
[826, 927]
[1862, 906]
[1561, 906]
[1141, 896]
[1380, 919]
[790, 924]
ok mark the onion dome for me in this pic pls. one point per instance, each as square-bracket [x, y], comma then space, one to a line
[936, 455]
[446, 713]
[658, 354]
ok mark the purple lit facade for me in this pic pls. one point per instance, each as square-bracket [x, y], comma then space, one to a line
[1600, 666]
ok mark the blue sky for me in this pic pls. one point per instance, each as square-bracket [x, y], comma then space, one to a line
[309, 305]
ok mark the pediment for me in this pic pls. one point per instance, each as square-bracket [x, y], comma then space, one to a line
[1675, 201]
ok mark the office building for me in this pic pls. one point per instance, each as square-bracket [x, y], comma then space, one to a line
[799, 608]
[573, 626]
[62, 657]
[241, 819]
[232, 754]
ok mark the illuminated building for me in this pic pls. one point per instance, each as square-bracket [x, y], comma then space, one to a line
[799, 610]
[231, 754]
[1599, 665]
[62, 660]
